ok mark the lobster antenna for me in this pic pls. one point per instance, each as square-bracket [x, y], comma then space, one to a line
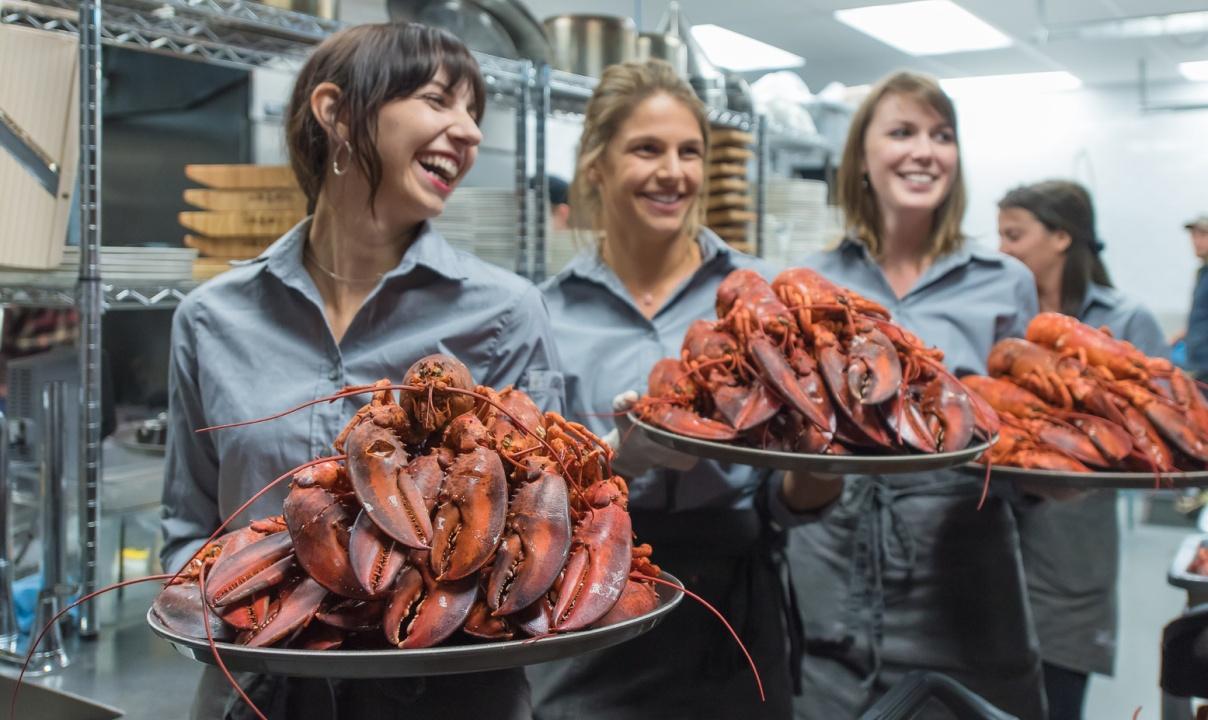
[710, 608]
[205, 621]
[33, 645]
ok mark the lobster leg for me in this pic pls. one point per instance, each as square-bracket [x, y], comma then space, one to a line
[534, 546]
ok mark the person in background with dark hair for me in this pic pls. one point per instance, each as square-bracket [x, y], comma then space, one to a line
[1196, 339]
[559, 203]
[382, 127]
[1071, 551]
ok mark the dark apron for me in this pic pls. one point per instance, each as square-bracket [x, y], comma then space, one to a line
[907, 574]
[689, 665]
[502, 694]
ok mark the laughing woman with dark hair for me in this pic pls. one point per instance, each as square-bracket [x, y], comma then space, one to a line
[383, 125]
[1070, 549]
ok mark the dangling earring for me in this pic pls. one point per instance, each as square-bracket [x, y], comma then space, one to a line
[335, 161]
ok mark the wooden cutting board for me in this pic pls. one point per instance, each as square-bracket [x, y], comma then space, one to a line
[730, 136]
[263, 199]
[728, 185]
[728, 154]
[729, 217]
[241, 176]
[231, 248]
[728, 200]
[727, 170]
[240, 223]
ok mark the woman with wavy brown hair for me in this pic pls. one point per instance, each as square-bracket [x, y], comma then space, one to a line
[617, 308]
[383, 126]
[906, 572]
[1071, 550]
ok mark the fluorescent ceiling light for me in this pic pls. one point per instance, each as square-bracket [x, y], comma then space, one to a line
[740, 53]
[1146, 26]
[1197, 71]
[929, 27]
[1015, 83]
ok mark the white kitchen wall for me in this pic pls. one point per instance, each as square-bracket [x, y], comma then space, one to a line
[1148, 172]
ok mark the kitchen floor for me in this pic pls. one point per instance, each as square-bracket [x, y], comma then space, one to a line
[1147, 603]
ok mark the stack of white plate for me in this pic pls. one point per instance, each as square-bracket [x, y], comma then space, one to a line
[798, 221]
[482, 220]
[118, 265]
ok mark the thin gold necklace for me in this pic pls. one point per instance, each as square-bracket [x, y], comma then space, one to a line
[340, 278]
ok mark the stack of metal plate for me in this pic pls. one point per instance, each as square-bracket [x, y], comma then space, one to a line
[482, 220]
[131, 265]
[798, 220]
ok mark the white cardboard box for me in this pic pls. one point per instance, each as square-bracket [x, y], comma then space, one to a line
[39, 90]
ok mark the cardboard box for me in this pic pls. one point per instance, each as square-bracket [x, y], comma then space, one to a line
[39, 91]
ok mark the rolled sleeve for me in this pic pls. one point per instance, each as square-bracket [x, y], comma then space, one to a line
[525, 354]
[190, 497]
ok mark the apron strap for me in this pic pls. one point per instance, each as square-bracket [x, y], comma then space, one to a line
[775, 540]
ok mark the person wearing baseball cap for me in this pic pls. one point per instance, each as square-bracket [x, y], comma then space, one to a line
[1197, 320]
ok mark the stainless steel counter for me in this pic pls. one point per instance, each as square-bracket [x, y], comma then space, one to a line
[127, 666]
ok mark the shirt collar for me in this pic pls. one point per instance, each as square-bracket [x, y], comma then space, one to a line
[1098, 295]
[589, 265]
[429, 250]
[944, 264]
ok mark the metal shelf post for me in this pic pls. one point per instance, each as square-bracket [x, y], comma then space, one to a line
[89, 300]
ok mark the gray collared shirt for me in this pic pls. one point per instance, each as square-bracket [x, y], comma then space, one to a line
[608, 346]
[255, 341]
[963, 304]
[1125, 318]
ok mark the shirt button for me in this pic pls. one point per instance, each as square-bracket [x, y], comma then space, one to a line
[334, 374]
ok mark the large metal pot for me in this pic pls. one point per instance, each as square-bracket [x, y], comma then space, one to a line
[586, 44]
[662, 46]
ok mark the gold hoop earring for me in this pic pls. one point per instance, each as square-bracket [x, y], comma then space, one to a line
[335, 161]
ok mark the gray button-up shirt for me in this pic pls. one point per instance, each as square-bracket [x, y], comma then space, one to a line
[963, 304]
[608, 346]
[255, 341]
[1071, 549]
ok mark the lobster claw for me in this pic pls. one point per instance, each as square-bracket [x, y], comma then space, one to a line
[801, 391]
[949, 412]
[180, 609]
[376, 559]
[470, 514]
[864, 420]
[1113, 441]
[251, 569]
[745, 407]
[598, 568]
[874, 372]
[294, 609]
[423, 611]
[685, 422]
[319, 524]
[377, 467]
[534, 546]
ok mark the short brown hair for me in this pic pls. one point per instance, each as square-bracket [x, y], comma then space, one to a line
[858, 201]
[621, 89]
[372, 65]
[1066, 206]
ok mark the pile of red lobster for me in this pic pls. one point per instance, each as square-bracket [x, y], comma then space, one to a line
[1074, 398]
[804, 365]
[452, 507]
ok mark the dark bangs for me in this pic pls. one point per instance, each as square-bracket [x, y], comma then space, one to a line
[372, 65]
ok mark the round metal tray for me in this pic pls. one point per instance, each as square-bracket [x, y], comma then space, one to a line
[1092, 480]
[839, 464]
[428, 661]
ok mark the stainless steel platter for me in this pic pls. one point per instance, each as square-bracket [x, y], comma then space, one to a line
[1093, 480]
[839, 464]
[449, 660]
